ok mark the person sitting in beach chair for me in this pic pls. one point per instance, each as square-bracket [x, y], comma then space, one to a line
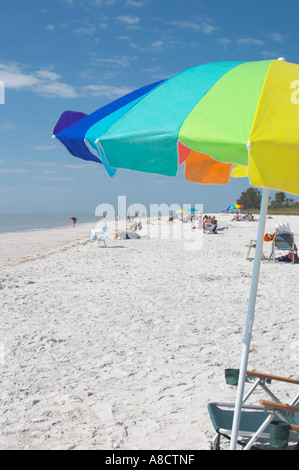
[206, 221]
[237, 217]
[130, 232]
[210, 225]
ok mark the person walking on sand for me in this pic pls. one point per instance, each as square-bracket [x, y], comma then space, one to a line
[74, 221]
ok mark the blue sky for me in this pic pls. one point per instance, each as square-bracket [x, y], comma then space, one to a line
[80, 54]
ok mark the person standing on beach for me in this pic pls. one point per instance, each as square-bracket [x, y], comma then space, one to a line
[74, 221]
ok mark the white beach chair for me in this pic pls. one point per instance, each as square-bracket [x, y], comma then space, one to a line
[99, 235]
[102, 235]
[251, 246]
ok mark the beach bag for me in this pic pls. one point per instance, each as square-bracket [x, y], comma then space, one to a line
[290, 257]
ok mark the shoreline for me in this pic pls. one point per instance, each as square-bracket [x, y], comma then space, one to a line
[23, 223]
[20, 247]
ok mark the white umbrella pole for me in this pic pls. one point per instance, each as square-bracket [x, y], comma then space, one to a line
[250, 318]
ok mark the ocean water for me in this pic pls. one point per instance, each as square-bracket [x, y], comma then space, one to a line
[26, 222]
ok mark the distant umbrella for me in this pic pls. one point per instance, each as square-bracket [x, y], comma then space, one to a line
[233, 207]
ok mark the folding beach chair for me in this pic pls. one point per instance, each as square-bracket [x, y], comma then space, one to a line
[99, 235]
[285, 242]
[267, 420]
[102, 235]
[251, 246]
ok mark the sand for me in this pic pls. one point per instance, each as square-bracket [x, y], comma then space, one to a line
[123, 347]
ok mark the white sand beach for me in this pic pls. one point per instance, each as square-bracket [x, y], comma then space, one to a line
[123, 347]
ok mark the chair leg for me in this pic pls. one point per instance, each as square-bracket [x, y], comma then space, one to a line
[272, 256]
[215, 444]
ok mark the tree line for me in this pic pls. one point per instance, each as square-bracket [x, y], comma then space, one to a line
[252, 197]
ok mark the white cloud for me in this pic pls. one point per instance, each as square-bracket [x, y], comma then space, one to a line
[224, 42]
[14, 78]
[207, 28]
[56, 90]
[135, 3]
[156, 72]
[202, 26]
[105, 90]
[43, 164]
[276, 37]
[248, 41]
[47, 83]
[129, 20]
[87, 30]
[44, 82]
[115, 61]
[47, 75]
[265, 54]
[49, 27]
[44, 147]
[158, 44]
[104, 2]
[75, 167]
[54, 178]
[7, 126]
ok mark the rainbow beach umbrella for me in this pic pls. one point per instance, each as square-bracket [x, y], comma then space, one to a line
[221, 120]
[233, 207]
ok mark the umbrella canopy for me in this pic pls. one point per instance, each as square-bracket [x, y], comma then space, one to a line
[220, 119]
[233, 207]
